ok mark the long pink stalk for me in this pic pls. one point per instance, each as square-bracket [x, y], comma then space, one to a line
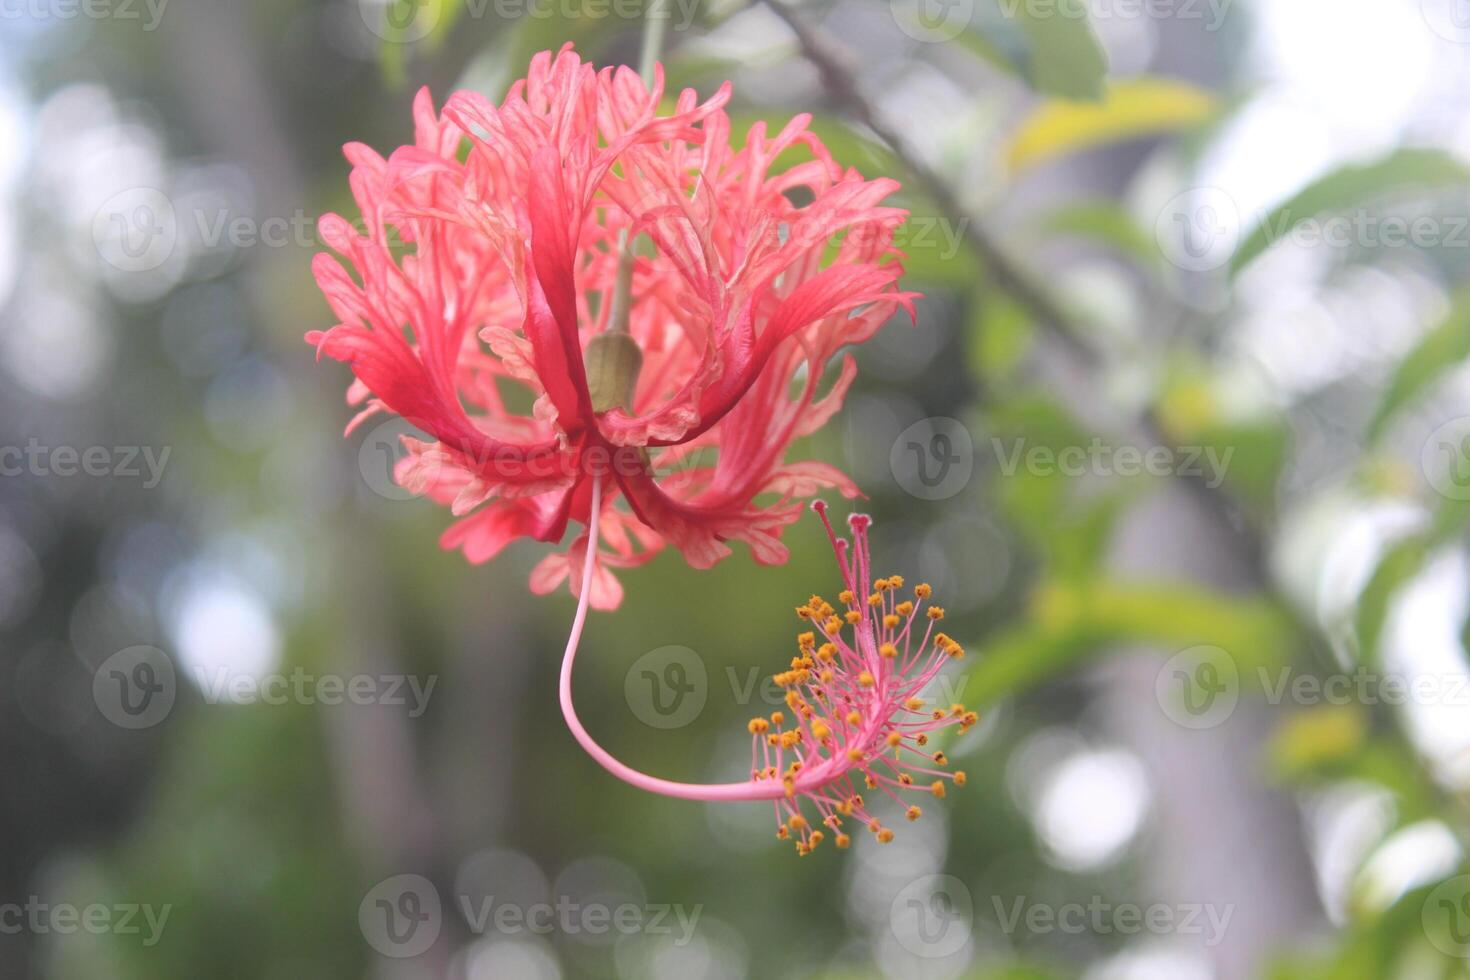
[749, 790]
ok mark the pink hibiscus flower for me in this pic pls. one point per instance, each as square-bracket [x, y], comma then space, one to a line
[482, 310]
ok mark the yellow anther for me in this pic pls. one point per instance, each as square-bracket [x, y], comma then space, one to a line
[914, 704]
[827, 652]
[891, 621]
[959, 778]
[940, 759]
[805, 640]
[885, 836]
[832, 625]
[913, 813]
[817, 837]
[853, 617]
[856, 755]
[922, 739]
[865, 679]
[875, 599]
[936, 613]
[777, 718]
[888, 650]
[937, 788]
[845, 808]
[853, 718]
[895, 581]
[905, 779]
[923, 591]
[843, 841]
[759, 726]
[782, 833]
[871, 781]
[904, 608]
[797, 823]
[820, 729]
[895, 739]
[845, 596]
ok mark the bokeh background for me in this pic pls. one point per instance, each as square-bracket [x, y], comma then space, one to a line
[1181, 440]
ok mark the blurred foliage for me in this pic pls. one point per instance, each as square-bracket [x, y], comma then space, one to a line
[265, 827]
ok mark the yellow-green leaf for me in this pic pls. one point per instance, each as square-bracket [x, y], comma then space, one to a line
[1133, 107]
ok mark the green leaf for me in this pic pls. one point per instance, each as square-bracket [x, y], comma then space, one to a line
[1107, 224]
[1066, 58]
[1133, 107]
[1400, 173]
[1440, 349]
[1400, 563]
[1070, 622]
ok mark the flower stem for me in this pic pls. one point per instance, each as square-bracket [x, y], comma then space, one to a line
[750, 790]
[655, 26]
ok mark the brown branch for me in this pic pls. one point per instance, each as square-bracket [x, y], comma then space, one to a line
[1004, 271]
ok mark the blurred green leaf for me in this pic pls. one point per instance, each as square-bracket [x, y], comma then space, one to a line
[1066, 58]
[1001, 334]
[1400, 563]
[1107, 224]
[1071, 622]
[1443, 347]
[1133, 107]
[1312, 739]
[1402, 172]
